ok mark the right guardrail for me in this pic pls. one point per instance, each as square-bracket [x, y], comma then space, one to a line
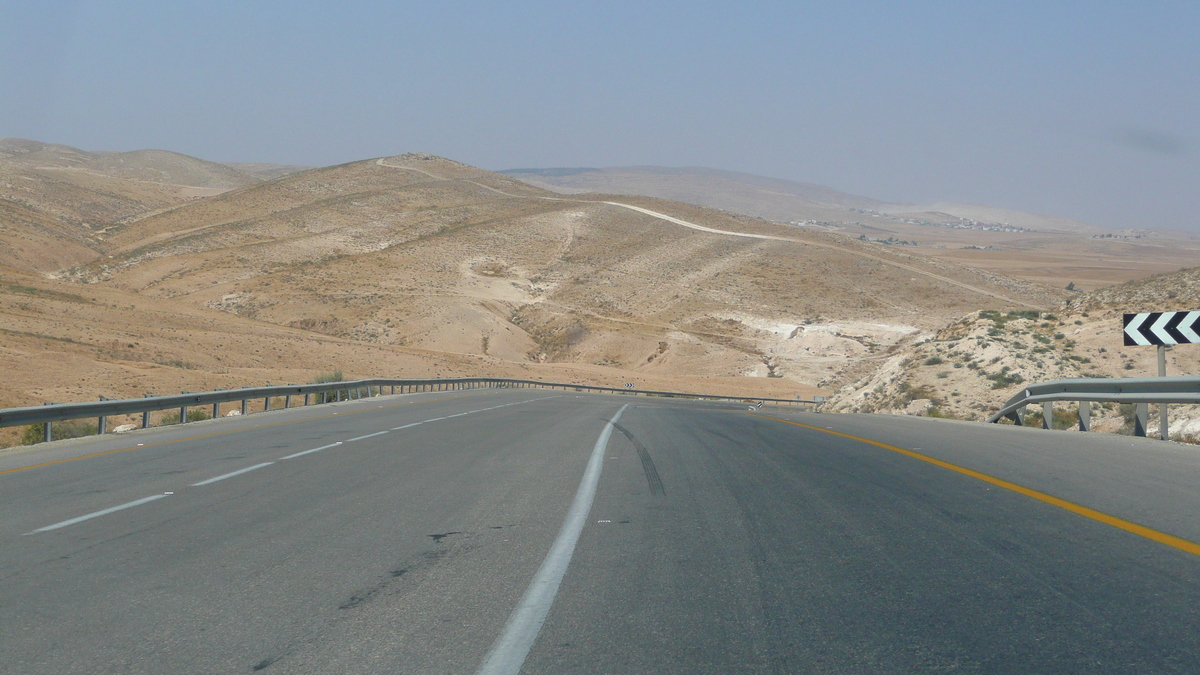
[1139, 391]
[339, 391]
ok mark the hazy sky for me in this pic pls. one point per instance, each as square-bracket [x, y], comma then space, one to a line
[1088, 110]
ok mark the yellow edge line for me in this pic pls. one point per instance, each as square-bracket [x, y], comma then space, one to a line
[1140, 530]
[220, 433]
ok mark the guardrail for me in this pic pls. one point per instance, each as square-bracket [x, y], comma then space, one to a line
[327, 391]
[1140, 391]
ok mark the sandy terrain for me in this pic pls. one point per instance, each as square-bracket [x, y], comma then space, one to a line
[1036, 247]
[115, 283]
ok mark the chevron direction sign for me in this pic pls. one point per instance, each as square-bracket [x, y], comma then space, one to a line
[1162, 328]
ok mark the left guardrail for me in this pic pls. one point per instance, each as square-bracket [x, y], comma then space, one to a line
[328, 391]
[341, 391]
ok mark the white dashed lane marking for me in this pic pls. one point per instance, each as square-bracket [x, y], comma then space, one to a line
[97, 514]
[231, 474]
[248, 469]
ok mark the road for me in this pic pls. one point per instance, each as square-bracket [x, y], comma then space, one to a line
[432, 533]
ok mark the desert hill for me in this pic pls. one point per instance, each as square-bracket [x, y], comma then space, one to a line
[56, 199]
[418, 265]
[428, 253]
[748, 194]
[265, 171]
[1037, 247]
[769, 198]
[972, 365]
[152, 166]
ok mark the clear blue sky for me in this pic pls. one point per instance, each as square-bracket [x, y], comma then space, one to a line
[1088, 110]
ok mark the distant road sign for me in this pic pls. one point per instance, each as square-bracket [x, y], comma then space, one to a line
[1162, 328]
[629, 385]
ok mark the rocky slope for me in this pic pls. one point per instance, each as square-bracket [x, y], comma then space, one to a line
[968, 368]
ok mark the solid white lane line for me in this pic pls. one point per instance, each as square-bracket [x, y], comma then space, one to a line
[510, 649]
[232, 474]
[359, 438]
[414, 424]
[306, 452]
[97, 514]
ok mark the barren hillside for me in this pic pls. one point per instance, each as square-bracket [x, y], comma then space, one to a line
[57, 201]
[418, 265]
[424, 252]
[972, 365]
[1036, 247]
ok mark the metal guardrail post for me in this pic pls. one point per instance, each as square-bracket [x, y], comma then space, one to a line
[183, 414]
[245, 407]
[1048, 415]
[47, 430]
[287, 401]
[306, 400]
[1085, 415]
[146, 415]
[102, 421]
[1164, 429]
[1140, 418]
[266, 403]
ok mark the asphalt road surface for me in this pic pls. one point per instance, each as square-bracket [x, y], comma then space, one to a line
[553, 532]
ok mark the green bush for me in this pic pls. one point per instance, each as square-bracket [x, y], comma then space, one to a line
[1128, 412]
[193, 415]
[1063, 419]
[935, 411]
[1004, 379]
[934, 360]
[331, 395]
[34, 433]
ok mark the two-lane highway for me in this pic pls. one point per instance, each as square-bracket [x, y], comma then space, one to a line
[547, 531]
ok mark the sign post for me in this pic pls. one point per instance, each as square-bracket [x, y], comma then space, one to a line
[1162, 329]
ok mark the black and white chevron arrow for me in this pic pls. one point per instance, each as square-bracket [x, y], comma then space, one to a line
[1162, 328]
